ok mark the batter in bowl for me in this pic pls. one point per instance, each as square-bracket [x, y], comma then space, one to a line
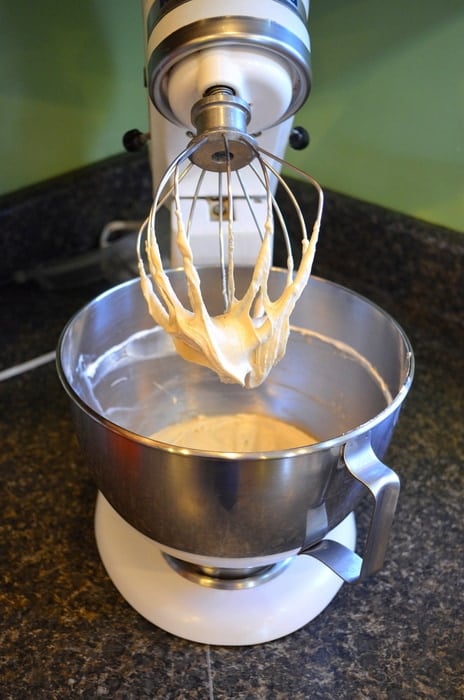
[238, 432]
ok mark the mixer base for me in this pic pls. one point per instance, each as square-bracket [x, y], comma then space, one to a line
[212, 616]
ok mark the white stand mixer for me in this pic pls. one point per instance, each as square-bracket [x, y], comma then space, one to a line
[173, 528]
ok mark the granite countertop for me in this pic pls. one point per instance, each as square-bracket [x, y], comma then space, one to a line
[64, 629]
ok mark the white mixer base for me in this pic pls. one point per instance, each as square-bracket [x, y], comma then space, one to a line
[209, 615]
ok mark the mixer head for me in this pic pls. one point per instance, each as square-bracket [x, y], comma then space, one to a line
[227, 65]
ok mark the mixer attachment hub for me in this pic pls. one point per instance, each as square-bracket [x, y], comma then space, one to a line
[221, 119]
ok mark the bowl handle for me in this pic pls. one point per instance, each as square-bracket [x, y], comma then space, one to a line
[384, 485]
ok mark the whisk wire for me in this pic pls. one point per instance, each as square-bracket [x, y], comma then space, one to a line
[230, 233]
[283, 226]
[249, 203]
[194, 200]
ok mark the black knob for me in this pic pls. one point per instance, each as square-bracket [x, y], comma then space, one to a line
[134, 140]
[299, 138]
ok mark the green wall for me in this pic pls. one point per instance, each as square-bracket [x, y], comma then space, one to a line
[386, 114]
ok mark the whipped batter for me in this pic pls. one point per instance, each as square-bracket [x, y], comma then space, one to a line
[250, 337]
[238, 432]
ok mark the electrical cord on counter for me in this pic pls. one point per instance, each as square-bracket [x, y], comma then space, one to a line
[114, 260]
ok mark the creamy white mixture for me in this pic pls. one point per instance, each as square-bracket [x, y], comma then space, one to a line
[238, 432]
[250, 337]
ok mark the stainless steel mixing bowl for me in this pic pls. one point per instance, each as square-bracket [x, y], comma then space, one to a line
[343, 379]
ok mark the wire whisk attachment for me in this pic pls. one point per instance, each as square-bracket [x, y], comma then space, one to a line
[249, 337]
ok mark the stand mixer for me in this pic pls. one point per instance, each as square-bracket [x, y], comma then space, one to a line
[232, 546]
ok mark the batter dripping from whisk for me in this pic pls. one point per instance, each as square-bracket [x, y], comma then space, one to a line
[242, 344]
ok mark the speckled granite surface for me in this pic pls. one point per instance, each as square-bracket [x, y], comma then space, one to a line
[64, 629]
